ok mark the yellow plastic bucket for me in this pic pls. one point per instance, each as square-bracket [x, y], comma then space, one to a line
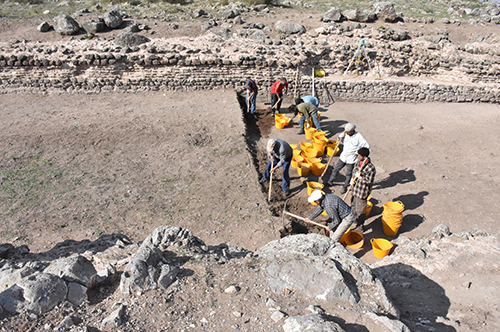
[331, 151]
[310, 153]
[320, 135]
[318, 168]
[303, 169]
[296, 160]
[353, 239]
[296, 152]
[319, 73]
[294, 146]
[312, 160]
[311, 186]
[309, 132]
[394, 207]
[381, 247]
[305, 146]
[279, 123]
[389, 228]
[319, 147]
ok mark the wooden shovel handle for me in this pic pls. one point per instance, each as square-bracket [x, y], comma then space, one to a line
[304, 219]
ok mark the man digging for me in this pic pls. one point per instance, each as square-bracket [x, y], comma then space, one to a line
[362, 182]
[341, 214]
[280, 154]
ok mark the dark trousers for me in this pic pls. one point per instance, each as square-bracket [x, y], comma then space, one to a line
[274, 101]
[285, 185]
[348, 172]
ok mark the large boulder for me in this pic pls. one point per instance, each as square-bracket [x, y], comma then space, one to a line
[333, 15]
[66, 25]
[37, 293]
[288, 262]
[367, 16]
[129, 39]
[113, 19]
[254, 34]
[75, 268]
[352, 14]
[93, 26]
[289, 27]
[143, 272]
[11, 273]
[314, 276]
[44, 27]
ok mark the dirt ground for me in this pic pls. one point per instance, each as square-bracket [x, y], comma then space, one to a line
[74, 167]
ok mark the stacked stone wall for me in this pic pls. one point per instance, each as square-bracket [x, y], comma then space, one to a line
[128, 76]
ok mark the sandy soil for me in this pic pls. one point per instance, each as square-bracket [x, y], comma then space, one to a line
[132, 162]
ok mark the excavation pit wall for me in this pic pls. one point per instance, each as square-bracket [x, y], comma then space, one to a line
[127, 76]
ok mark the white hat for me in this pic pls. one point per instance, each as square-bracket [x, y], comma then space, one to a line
[270, 144]
[350, 126]
[315, 195]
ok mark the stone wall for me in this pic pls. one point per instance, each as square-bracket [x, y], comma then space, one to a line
[132, 77]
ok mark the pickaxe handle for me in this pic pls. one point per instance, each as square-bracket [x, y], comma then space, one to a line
[304, 219]
[271, 182]
[329, 161]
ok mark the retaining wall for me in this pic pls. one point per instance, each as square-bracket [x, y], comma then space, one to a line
[129, 76]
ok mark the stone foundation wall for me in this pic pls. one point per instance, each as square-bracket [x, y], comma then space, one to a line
[132, 77]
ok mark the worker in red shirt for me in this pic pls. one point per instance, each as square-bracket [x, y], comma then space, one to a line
[277, 94]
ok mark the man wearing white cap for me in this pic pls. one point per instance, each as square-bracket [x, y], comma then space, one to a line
[341, 214]
[280, 153]
[352, 141]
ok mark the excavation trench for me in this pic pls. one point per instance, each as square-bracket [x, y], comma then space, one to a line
[257, 127]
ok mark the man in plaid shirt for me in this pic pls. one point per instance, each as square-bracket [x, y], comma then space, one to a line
[364, 174]
[341, 214]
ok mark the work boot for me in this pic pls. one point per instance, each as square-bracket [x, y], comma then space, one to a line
[262, 180]
[286, 193]
[343, 190]
[300, 132]
[328, 183]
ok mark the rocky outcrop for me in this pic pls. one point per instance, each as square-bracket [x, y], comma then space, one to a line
[317, 271]
[325, 270]
[66, 25]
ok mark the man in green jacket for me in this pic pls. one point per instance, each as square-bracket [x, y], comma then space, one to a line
[308, 111]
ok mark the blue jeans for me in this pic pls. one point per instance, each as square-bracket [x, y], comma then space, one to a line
[348, 172]
[285, 185]
[314, 117]
[252, 102]
[274, 101]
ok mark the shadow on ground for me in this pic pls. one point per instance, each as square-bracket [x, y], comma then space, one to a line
[420, 300]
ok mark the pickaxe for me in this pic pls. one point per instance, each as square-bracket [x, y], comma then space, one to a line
[304, 219]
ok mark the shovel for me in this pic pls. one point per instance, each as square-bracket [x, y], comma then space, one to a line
[270, 182]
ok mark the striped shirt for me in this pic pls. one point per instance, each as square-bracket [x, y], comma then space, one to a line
[363, 188]
[335, 207]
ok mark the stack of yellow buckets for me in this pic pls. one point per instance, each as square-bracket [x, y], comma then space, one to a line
[281, 121]
[392, 217]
